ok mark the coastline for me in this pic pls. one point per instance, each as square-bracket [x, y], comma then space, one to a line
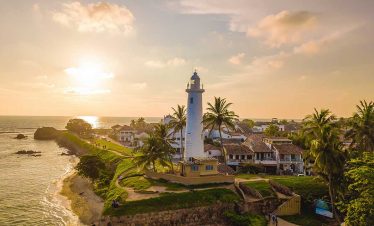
[80, 198]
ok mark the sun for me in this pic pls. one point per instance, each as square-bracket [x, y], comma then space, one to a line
[88, 77]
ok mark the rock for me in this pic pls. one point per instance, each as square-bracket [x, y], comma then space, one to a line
[46, 133]
[20, 136]
[63, 153]
[29, 152]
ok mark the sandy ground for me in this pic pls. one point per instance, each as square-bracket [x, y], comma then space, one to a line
[84, 202]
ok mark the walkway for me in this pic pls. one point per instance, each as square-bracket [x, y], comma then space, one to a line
[282, 222]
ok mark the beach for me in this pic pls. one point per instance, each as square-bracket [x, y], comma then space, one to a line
[82, 200]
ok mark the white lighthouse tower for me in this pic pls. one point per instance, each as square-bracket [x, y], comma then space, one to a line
[194, 127]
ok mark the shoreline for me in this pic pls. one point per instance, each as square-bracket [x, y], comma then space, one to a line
[81, 200]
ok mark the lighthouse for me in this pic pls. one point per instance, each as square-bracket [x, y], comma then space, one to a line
[194, 127]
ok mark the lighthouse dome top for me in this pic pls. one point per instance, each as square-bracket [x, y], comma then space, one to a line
[194, 84]
[195, 76]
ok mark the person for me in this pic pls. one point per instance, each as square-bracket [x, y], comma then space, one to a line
[276, 220]
[273, 217]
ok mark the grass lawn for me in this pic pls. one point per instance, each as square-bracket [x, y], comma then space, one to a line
[310, 188]
[263, 187]
[174, 201]
[113, 146]
[306, 219]
[248, 176]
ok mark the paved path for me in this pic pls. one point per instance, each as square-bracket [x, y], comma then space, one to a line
[282, 222]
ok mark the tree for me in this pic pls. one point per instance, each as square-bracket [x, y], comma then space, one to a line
[250, 123]
[361, 132]
[151, 152]
[79, 126]
[326, 149]
[218, 115]
[272, 130]
[360, 202]
[90, 166]
[283, 122]
[178, 123]
[162, 133]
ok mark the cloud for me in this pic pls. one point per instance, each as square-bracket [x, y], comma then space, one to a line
[85, 91]
[237, 59]
[313, 47]
[95, 17]
[174, 62]
[283, 28]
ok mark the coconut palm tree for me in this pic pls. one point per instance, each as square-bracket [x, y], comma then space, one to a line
[329, 160]
[361, 132]
[151, 152]
[326, 149]
[314, 122]
[218, 115]
[161, 132]
[178, 123]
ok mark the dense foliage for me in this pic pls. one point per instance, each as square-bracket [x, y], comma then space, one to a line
[359, 200]
[79, 126]
[91, 166]
[272, 131]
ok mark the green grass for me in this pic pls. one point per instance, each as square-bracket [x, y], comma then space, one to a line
[263, 187]
[113, 146]
[310, 188]
[248, 176]
[245, 219]
[174, 201]
[306, 219]
[70, 140]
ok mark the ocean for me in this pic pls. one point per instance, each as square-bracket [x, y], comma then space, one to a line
[29, 186]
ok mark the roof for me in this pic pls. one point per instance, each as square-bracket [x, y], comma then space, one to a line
[224, 169]
[288, 149]
[256, 144]
[209, 147]
[277, 139]
[127, 128]
[237, 149]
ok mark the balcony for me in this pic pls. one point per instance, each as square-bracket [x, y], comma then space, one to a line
[266, 161]
[237, 161]
[290, 160]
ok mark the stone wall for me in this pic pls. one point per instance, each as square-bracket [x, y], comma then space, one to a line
[207, 215]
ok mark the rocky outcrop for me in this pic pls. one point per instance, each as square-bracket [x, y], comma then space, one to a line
[46, 133]
[20, 136]
[29, 153]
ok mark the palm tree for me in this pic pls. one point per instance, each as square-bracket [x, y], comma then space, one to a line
[178, 123]
[362, 127]
[326, 149]
[218, 115]
[329, 159]
[151, 152]
[314, 122]
[161, 131]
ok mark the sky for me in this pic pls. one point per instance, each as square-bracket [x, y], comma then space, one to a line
[279, 58]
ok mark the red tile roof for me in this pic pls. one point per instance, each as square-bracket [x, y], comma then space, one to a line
[288, 149]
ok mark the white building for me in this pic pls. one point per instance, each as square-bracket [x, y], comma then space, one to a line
[194, 142]
[126, 134]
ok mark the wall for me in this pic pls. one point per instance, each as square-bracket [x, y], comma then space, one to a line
[219, 178]
[289, 207]
[206, 215]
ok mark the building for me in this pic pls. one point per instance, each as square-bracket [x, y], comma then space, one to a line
[126, 134]
[195, 162]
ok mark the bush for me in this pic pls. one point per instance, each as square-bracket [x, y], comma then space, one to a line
[91, 166]
[79, 126]
[245, 219]
[252, 168]
[46, 133]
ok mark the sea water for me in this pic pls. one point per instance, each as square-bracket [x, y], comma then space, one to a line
[30, 186]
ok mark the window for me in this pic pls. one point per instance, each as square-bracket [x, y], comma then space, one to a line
[209, 152]
[208, 167]
[191, 100]
[231, 156]
[195, 168]
[243, 157]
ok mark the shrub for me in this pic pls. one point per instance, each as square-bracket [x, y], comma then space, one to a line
[252, 168]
